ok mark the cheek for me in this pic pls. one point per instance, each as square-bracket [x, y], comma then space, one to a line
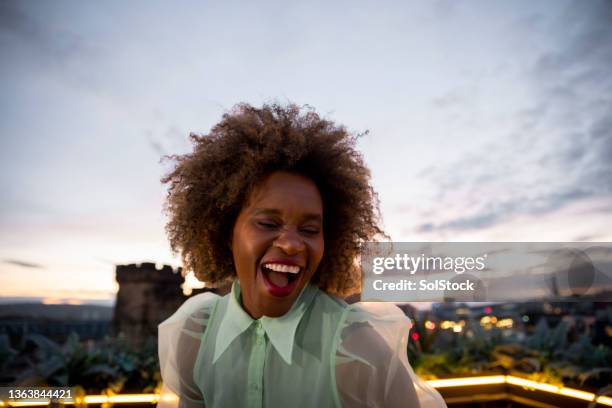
[248, 250]
[240, 252]
[318, 248]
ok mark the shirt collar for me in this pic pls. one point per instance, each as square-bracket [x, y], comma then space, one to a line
[280, 330]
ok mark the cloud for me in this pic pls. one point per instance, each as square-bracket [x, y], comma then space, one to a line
[20, 21]
[558, 148]
[48, 40]
[23, 264]
[503, 210]
[14, 20]
[170, 140]
[155, 144]
[450, 99]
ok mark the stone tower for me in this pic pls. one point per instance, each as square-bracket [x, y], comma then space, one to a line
[146, 297]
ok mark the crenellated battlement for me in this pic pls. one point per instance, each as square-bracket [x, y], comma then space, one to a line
[148, 272]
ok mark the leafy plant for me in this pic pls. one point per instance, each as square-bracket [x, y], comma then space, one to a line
[545, 355]
[108, 366]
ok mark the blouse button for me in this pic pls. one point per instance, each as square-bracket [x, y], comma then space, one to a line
[259, 330]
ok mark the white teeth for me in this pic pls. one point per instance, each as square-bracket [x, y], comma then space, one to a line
[283, 268]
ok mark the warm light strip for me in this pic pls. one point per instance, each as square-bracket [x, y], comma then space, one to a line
[570, 392]
[531, 384]
[604, 400]
[133, 398]
[458, 382]
[522, 382]
[95, 399]
[122, 399]
[450, 382]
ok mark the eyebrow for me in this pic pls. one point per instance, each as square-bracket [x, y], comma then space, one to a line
[271, 211]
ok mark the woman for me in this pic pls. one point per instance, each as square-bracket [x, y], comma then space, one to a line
[279, 199]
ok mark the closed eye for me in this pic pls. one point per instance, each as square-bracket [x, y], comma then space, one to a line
[310, 230]
[266, 224]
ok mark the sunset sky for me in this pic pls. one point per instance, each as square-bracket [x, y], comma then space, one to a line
[488, 120]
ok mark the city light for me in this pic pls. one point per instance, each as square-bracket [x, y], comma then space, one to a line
[456, 327]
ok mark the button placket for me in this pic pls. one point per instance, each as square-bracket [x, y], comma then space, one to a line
[256, 366]
[260, 333]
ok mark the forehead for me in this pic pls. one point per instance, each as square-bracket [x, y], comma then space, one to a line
[284, 191]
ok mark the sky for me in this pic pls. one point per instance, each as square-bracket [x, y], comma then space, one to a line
[487, 120]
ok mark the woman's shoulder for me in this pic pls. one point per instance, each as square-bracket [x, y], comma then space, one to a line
[377, 314]
[382, 313]
[330, 300]
[201, 301]
[194, 313]
[373, 330]
[373, 348]
[179, 341]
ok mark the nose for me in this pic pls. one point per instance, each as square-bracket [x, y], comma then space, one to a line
[290, 242]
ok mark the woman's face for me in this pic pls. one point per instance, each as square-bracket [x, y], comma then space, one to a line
[277, 242]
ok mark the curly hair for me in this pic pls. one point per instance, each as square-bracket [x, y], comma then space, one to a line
[208, 188]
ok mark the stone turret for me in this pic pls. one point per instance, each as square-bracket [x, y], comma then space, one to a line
[147, 296]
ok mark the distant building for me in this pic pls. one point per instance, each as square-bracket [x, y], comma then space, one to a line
[587, 315]
[146, 297]
[56, 322]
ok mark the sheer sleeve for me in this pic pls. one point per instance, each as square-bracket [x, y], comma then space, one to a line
[372, 368]
[179, 344]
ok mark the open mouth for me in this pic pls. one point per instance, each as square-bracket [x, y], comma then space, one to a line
[280, 279]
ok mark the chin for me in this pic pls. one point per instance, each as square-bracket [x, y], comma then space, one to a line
[276, 307]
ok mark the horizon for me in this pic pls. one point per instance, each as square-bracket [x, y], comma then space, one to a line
[487, 121]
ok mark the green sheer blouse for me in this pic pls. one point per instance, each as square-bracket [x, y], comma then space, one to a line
[322, 353]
